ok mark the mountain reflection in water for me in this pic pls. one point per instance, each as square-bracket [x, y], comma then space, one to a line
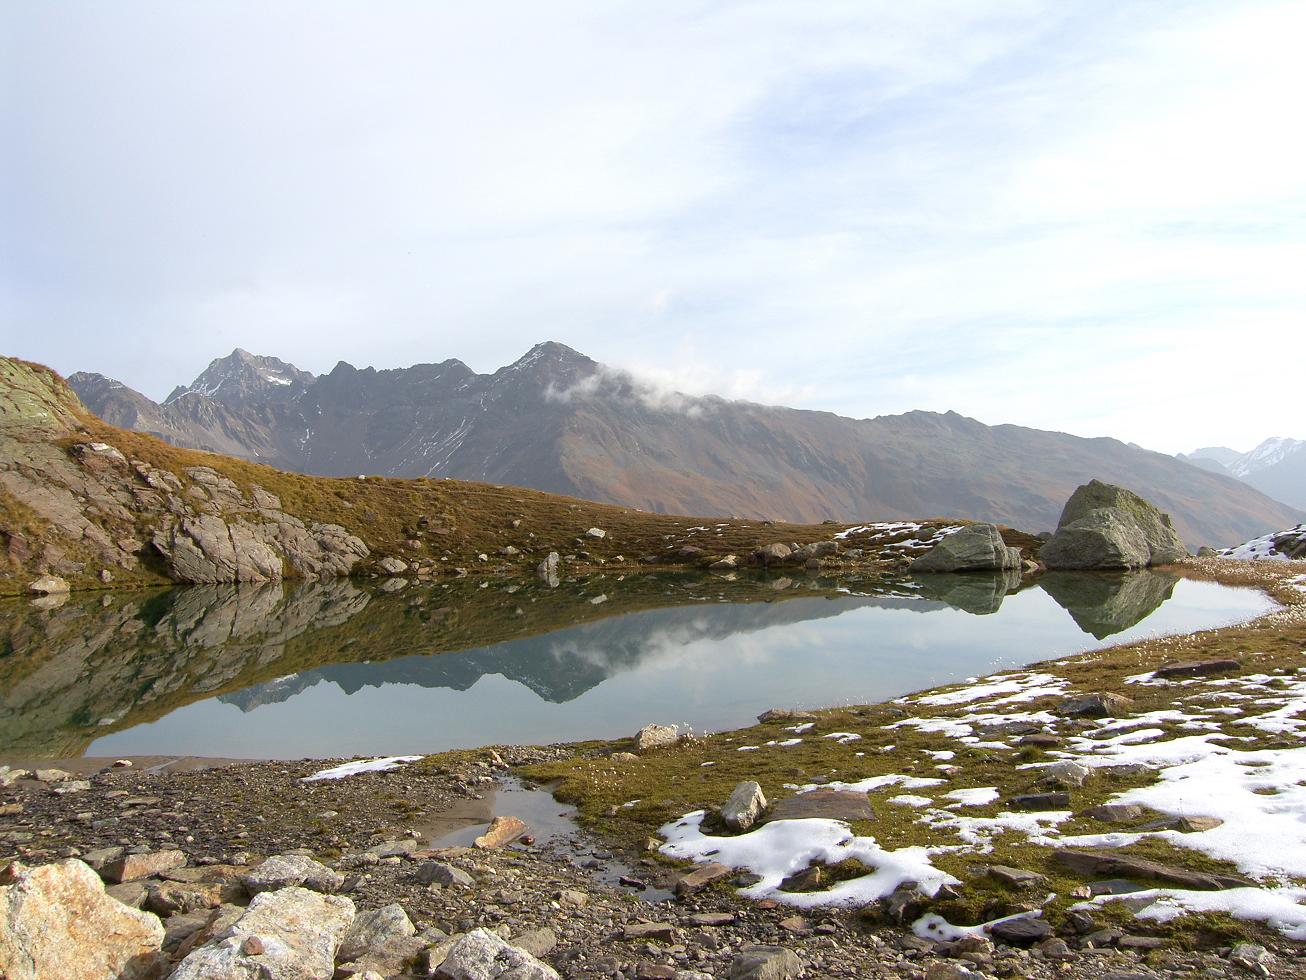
[338, 667]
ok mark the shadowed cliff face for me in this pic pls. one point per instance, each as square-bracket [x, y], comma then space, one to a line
[557, 421]
[103, 663]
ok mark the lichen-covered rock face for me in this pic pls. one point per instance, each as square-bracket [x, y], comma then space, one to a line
[1105, 526]
[1099, 539]
[57, 921]
[975, 548]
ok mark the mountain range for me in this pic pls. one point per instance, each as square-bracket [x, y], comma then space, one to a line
[558, 421]
[1277, 467]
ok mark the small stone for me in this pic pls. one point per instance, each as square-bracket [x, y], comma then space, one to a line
[1249, 956]
[702, 877]
[809, 879]
[252, 946]
[656, 737]
[794, 924]
[288, 870]
[1016, 877]
[765, 963]
[1056, 949]
[1041, 801]
[744, 806]
[1117, 812]
[622, 758]
[648, 930]
[1065, 773]
[538, 942]
[1099, 705]
[48, 585]
[502, 830]
[444, 875]
[1020, 932]
[712, 919]
[130, 867]
[596, 534]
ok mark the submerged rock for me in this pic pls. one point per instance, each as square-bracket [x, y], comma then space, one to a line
[976, 547]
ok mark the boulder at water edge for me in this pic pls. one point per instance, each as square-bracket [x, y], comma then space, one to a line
[975, 548]
[57, 921]
[1105, 526]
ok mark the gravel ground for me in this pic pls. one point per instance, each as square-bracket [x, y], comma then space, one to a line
[369, 827]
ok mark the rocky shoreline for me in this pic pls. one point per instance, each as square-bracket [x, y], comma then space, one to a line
[192, 846]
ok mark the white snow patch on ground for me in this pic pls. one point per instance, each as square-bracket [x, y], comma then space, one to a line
[1279, 908]
[974, 797]
[781, 848]
[910, 799]
[843, 738]
[1018, 684]
[354, 768]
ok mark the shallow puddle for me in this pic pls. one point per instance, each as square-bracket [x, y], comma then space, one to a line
[550, 825]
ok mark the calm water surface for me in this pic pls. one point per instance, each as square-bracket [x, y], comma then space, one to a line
[338, 669]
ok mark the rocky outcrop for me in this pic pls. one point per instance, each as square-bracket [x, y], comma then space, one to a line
[975, 548]
[57, 921]
[1108, 527]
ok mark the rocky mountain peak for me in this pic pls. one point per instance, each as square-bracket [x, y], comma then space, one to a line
[241, 377]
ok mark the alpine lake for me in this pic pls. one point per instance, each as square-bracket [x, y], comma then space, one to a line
[349, 668]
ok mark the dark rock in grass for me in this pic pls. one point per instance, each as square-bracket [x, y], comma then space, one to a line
[1020, 932]
[1122, 865]
[807, 880]
[1016, 877]
[1198, 668]
[1098, 705]
[1042, 801]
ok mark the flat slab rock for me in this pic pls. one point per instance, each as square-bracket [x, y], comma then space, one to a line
[1198, 668]
[1121, 865]
[832, 804]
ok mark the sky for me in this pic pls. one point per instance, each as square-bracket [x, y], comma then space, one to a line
[1081, 216]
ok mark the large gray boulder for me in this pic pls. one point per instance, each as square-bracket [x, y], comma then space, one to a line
[975, 548]
[1105, 526]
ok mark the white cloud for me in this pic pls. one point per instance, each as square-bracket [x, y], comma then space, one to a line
[1059, 214]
